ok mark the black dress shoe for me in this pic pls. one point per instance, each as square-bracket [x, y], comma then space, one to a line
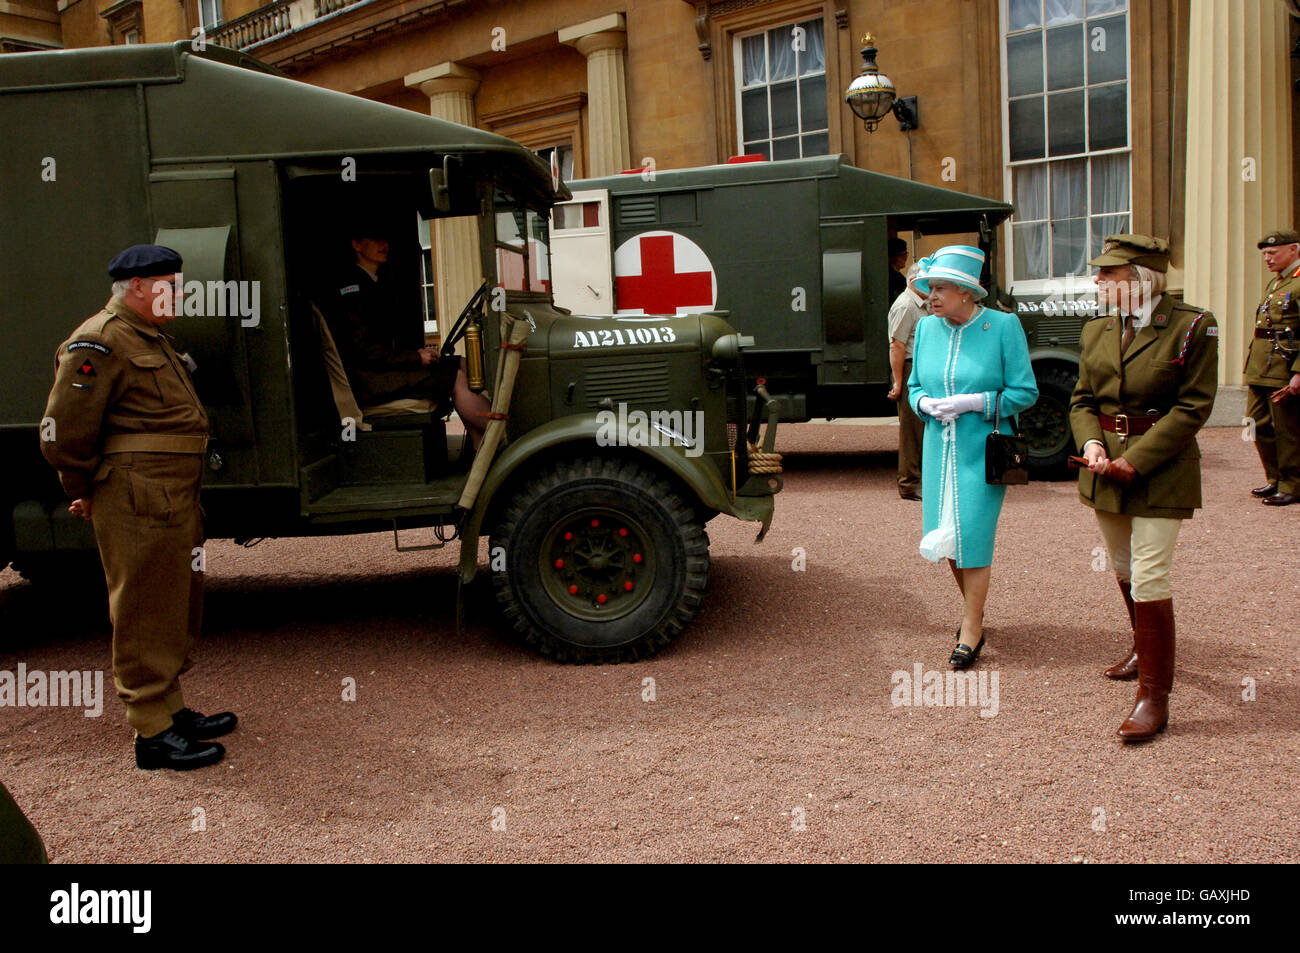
[1268, 489]
[910, 496]
[191, 724]
[1281, 499]
[175, 751]
[963, 656]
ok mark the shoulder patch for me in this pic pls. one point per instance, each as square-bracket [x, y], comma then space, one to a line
[1212, 331]
[348, 289]
[89, 345]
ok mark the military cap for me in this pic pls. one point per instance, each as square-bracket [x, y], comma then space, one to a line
[1143, 250]
[144, 261]
[1282, 236]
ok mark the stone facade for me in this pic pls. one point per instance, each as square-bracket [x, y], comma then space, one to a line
[623, 82]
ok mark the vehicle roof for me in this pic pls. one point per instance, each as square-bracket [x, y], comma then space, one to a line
[873, 193]
[248, 109]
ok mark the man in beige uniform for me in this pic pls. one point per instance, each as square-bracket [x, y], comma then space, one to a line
[129, 434]
[908, 308]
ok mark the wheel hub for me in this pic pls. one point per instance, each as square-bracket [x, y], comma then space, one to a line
[597, 564]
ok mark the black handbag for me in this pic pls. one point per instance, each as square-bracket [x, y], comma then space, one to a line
[1006, 455]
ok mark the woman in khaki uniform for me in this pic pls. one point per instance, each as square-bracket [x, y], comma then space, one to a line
[1147, 381]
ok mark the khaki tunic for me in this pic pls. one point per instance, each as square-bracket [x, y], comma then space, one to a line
[1277, 426]
[1171, 366]
[1279, 309]
[128, 431]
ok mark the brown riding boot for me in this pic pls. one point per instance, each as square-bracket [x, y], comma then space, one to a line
[1127, 669]
[1154, 629]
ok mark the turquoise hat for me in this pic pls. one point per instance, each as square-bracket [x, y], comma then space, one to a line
[956, 264]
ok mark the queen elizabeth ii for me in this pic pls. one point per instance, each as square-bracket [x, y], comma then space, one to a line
[970, 365]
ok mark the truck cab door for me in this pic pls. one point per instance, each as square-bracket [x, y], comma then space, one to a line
[195, 213]
[582, 272]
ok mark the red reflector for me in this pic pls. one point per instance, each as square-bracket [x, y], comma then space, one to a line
[636, 558]
[602, 599]
[622, 532]
[747, 157]
[595, 522]
[573, 590]
[628, 585]
[559, 564]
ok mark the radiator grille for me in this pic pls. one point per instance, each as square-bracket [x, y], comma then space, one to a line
[1066, 331]
[643, 384]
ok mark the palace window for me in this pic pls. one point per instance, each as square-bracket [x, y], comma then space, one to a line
[781, 91]
[1067, 144]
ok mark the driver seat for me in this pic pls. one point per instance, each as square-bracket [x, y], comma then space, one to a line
[392, 414]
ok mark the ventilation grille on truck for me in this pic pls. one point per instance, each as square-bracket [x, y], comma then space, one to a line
[1064, 331]
[643, 384]
[643, 211]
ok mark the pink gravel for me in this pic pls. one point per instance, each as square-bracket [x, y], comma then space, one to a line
[771, 735]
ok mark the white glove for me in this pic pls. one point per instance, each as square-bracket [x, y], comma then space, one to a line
[950, 408]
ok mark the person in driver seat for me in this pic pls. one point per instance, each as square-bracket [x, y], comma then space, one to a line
[381, 343]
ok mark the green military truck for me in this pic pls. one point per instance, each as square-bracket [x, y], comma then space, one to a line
[796, 251]
[617, 439]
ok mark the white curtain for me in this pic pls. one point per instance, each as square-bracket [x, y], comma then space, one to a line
[813, 59]
[755, 64]
[1110, 175]
[780, 52]
[1062, 11]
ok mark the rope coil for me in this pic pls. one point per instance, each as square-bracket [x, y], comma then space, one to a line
[760, 462]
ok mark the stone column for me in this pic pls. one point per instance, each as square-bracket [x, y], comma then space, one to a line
[604, 42]
[1238, 167]
[457, 269]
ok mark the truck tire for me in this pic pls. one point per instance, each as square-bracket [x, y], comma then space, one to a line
[1046, 425]
[604, 562]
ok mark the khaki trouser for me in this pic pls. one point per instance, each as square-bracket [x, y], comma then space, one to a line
[1141, 550]
[911, 433]
[1277, 437]
[147, 523]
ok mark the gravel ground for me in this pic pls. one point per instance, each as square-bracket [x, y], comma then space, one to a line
[771, 734]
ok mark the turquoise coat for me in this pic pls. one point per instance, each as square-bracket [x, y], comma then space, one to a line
[986, 355]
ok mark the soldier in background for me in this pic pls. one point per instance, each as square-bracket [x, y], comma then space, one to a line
[897, 262]
[908, 308]
[1147, 382]
[1272, 371]
[129, 433]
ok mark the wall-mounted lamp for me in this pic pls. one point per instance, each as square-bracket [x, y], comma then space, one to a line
[872, 94]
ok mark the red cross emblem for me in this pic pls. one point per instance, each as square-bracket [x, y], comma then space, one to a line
[648, 278]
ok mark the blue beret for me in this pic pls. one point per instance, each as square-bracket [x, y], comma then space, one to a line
[144, 261]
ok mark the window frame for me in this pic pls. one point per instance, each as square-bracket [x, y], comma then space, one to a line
[1051, 284]
[738, 87]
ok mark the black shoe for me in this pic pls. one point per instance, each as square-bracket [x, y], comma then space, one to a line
[191, 724]
[1268, 489]
[963, 656]
[910, 496]
[175, 751]
[1281, 499]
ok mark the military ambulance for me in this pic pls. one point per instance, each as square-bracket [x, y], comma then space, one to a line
[796, 251]
[616, 439]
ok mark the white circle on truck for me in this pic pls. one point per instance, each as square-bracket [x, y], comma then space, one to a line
[663, 272]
